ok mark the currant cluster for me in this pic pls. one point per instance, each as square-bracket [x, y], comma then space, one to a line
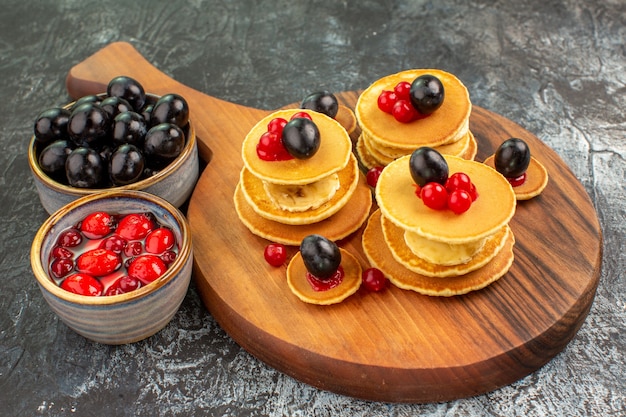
[437, 190]
[107, 254]
[113, 139]
[411, 101]
[284, 140]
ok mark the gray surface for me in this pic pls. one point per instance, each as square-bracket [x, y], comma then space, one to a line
[554, 67]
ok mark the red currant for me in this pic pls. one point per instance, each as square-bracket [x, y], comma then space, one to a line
[301, 114]
[159, 240]
[70, 238]
[402, 90]
[276, 125]
[61, 267]
[98, 262]
[373, 175]
[386, 100]
[147, 268]
[135, 226]
[458, 181]
[271, 148]
[517, 181]
[434, 196]
[459, 201]
[97, 225]
[418, 190]
[275, 254]
[374, 279]
[473, 192]
[404, 112]
[82, 284]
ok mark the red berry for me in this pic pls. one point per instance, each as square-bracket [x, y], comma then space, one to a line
[402, 90]
[128, 284]
[61, 267]
[459, 201]
[147, 268]
[82, 284]
[114, 289]
[275, 254]
[276, 125]
[418, 190]
[374, 279]
[168, 256]
[159, 240]
[386, 100]
[61, 252]
[97, 225]
[98, 262]
[517, 181]
[135, 226]
[404, 112]
[434, 196]
[373, 175]
[458, 181]
[113, 243]
[473, 192]
[271, 148]
[70, 238]
[133, 248]
[301, 114]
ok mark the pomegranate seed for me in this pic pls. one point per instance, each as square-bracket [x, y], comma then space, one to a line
[373, 175]
[275, 254]
[374, 279]
[459, 201]
[434, 196]
[404, 112]
[82, 284]
[402, 90]
[386, 100]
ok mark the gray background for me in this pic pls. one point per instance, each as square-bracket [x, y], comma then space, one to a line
[554, 67]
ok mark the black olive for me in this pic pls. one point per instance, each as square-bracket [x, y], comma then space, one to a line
[321, 256]
[301, 138]
[322, 102]
[84, 168]
[426, 93]
[512, 158]
[51, 125]
[129, 127]
[52, 159]
[88, 124]
[164, 142]
[126, 165]
[129, 89]
[170, 108]
[427, 165]
[114, 106]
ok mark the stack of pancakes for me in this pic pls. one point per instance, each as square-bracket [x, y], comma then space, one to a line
[437, 252]
[384, 139]
[284, 201]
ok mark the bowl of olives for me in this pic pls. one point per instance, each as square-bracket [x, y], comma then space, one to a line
[121, 139]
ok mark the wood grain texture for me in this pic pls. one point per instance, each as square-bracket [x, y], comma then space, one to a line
[395, 345]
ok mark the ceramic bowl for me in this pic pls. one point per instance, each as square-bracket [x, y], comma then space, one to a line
[123, 318]
[174, 183]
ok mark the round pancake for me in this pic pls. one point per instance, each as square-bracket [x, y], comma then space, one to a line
[472, 149]
[365, 158]
[346, 118]
[446, 124]
[332, 155]
[256, 196]
[394, 238]
[536, 179]
[299, 285]
[338, 226]
[495, 206]
[381, 257]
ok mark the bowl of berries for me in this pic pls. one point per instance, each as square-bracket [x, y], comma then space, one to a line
[114, 266]
[121, 139]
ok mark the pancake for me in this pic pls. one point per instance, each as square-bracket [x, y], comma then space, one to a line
[332, 156]
[346, 118]
[495, 206]
[256, 196]
[381, 257]
[299, 285]
[394, 238]
[365, 158]
[445, 125]
[536, 179]
[336, 227]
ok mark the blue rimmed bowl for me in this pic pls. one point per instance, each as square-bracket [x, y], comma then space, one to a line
[123, 318]
[173, 183]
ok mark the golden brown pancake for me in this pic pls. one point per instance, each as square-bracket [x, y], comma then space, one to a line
[536, 179]
[381, 257]
[394, 239]
[256, 196]
[445, 125]
[332, 156]
[346, 118]
[338, 226]
[495, 206]
[299, 285]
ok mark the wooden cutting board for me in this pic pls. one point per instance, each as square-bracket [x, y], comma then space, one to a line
[396, 345]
